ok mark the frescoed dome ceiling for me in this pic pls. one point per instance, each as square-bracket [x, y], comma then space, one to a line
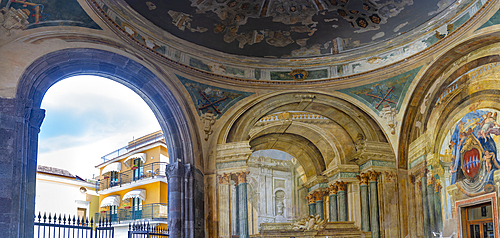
[292, 28]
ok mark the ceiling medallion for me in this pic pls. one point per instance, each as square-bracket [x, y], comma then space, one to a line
[299, 74]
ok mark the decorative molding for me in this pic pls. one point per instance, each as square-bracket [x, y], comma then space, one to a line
[233, 151]
[417, 148]
[368, 150]
[208, 119]
[340, 168]
[371, 164]
[315, 180]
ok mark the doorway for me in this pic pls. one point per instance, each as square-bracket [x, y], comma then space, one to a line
[479, 221]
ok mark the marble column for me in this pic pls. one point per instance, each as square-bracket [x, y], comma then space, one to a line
[243, 204]
[374, 216]
[175, 176]
[342, 199]
[224, 206]
[365, 207]
[437, 205]
[432, 209]
[425, 204]
[318, 196]
[334, 216]
[311, 202]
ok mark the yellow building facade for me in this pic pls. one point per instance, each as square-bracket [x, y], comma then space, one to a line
[132, 185]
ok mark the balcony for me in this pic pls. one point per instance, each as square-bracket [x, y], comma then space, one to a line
[134, 145]
[152, 212]
[151, 170]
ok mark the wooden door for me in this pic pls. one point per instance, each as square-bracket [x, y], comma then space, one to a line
[480, 221]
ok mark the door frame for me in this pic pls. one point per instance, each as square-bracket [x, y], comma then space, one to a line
[465, 203]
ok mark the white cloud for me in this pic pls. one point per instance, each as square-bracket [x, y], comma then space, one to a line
[107, 113]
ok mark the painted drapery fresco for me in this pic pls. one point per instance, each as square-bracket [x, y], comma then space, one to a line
[472, 146]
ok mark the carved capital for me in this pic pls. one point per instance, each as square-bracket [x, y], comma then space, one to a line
[372, 176]
[242, 176]
[363, 178]
[437, 187]
[390, 177]
[342, 186]
[332, 189]
[224, 178]
[318, 196]
[310, 198]
[175, 169]
[431, 181]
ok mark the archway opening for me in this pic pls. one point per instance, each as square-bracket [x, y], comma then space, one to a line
[92, 127]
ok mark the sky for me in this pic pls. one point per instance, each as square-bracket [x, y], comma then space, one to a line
[88, 117]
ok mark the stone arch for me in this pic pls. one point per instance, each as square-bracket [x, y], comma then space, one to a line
[328, 144]
[308, 155]
[26, 115]
[354, 120]
[443, 71]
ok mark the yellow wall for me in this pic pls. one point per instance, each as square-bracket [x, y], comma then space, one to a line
[153, 152]
[155, 193]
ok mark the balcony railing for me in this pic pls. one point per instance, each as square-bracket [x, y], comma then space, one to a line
[153, 211]
[151, 170]
[133, 145]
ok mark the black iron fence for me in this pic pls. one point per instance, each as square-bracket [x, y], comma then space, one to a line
[151, 170]
[62, 226]
[144, 230]
[152, 211]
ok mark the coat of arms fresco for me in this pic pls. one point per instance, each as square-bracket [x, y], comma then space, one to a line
[473, 147]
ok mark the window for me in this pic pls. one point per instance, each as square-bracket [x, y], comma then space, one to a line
[136, 208]
[137, 169]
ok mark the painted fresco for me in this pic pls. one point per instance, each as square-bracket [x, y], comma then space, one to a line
[387, 93]
[294, 28]
[212, 100]
[189, 24]
[472, 150]
[41, 13]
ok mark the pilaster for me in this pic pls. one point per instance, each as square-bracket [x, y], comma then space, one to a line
[332, 191]
[374, 209]
[365, 209]
[342, 199]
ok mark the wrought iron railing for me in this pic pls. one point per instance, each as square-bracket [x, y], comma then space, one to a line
[133, 145]
[62, 226]
[144, 230]
[150, 170]
[152, 211]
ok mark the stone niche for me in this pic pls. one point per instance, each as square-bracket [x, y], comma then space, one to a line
[344, 229]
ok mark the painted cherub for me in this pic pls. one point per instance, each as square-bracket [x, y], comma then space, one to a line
[489, 125]
[488, 156]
